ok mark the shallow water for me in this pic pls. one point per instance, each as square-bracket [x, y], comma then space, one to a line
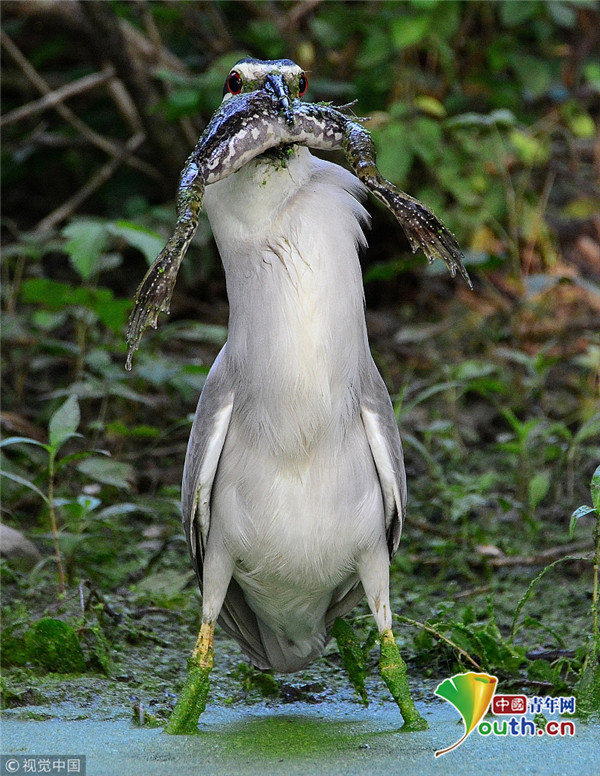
[304, 739]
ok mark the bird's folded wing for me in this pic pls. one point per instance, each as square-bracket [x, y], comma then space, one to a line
[207, 438]
[384, 440]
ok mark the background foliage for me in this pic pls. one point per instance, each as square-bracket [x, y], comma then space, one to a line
[488, 112]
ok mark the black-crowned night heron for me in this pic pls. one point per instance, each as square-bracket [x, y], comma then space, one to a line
[294, 489]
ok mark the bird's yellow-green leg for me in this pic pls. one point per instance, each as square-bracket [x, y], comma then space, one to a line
[353, 657]
[192, 699]
[393, 672]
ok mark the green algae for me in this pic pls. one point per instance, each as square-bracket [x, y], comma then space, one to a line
[394, 674]
[191, 702]
[252, 678]
[14, 651]
[287, 737]
[51, 644]
[353, 657]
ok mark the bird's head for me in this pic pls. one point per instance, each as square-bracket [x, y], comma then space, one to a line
[282, 78]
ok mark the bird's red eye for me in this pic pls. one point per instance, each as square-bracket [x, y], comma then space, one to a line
[234, 83]
[302, 85]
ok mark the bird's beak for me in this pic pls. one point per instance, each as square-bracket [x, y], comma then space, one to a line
[275, 84]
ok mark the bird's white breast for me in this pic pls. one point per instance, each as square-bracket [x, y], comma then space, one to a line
[288, 234]
[296, 498]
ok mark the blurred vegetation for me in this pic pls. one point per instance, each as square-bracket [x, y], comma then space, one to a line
[488, 112]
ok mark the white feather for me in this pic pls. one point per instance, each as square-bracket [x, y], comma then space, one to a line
[297, 500]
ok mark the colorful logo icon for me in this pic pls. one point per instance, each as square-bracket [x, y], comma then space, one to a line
[471, 695]
[509, 704]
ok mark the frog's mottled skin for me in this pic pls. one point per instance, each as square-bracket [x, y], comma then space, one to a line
[246, 126]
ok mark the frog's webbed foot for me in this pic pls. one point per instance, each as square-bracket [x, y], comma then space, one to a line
[156, 289]
[423, 229]
[154, 294]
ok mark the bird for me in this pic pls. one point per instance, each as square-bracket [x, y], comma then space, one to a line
[294, 487]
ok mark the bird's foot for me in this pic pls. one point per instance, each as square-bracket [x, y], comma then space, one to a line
[393, 672]
[192, 699]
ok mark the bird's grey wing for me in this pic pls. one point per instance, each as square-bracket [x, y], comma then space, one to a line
[384, 440]
[205, 445]
[386, 448]
[209, 431]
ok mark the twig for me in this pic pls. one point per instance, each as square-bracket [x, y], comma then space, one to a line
[527, 257]
[123, 101]
[153, 33]
[427, 527]
[41, 85]
[512, 560]
[94, 183]
[438, 635]
[138, 614]
[54, 525]
[541, 557]
[528, 683]
[472, 591]
[51, 99]
[300, 10]
[108, 43]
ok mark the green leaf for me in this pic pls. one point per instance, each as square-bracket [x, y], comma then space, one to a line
[22, 481]
[592, 73]
[595, 489]
[408, 31]
[582, 125]
[64, 422]
[538, 488]
[534, 74]
[22, 440]
[113, 313]
[145, 240]
[562, 13]
[579, 512]
[426, 139]
[67, 459]
[530, 150]
[107, 471]
[395, 154]
[430, 105]
[51, 293]
[529, 592]
[88, 240]
[590, 428]
[514, 12]
[56, 296]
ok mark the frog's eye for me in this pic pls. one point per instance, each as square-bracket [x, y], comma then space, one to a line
[302, 85]
[234, 83]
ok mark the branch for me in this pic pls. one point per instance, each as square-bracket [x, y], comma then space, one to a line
[41, 85]
[51, 99]
[94, 183]
[513, 560]
[109, 43]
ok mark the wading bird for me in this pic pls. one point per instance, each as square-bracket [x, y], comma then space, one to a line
[294, 489]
